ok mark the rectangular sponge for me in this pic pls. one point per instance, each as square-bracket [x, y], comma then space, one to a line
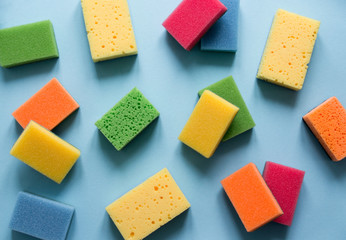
[251, 197]
[27, 43]
[223, 35]
[131, 115]
[208, 123]
[48, 107]
[109, 28]
[40, 217]
[45, 152]
[147, 207]
[328, 124]
[228, 90]
[288, 50]
[192, 19]
[285, 183]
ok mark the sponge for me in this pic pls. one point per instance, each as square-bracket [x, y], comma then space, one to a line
[27, 43]
[127, 119]
[48, 107]
[45, 152]
[251, 197]
[223, 35]
[288, 50]
[328, 124]
[147, 207]
[285, 183]
[40, 217]
[208, 123]
[192, 19]
[109, 28]
[228, 90]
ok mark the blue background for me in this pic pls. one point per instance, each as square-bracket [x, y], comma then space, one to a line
[170, 77]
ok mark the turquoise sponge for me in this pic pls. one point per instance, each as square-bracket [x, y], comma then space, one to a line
[127, 119]
[228, 90]
[27, 43]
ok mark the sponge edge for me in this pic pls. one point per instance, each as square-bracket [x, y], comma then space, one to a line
[40, 217]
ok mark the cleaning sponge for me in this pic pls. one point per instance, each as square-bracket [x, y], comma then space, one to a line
[127, 119]
[48, 107]
[27, 43]
[223, 35]
[328, 124]
[45, 152]
[192, 19]
[40, 217]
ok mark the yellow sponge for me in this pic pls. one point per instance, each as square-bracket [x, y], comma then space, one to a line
[147, 207]
[208, 123]
[109, 28]
[45, 152]
[288, 50]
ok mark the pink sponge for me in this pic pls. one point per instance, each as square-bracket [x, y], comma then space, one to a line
[192, 19]
[285, 183]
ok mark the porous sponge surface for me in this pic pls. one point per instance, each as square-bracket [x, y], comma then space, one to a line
[223, 35]
[48, 107]
[288, 50]
[285, 183]
[109, 28]
[40, 217]
[328, 124]
[251, 197]
[27, 43]
[208, 123]
[192, 19]
[45, 152]
[127, 119]
[147, 207]
[228, 90]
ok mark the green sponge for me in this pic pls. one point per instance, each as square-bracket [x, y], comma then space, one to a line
[228, 90]
[127, 119]
[27, 43]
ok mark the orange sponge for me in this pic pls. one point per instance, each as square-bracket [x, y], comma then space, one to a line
[48, 107]
[251, 197]
[328, 124]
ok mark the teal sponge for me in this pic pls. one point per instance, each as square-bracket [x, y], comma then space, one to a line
[27, 43]
[228, 90]
[127, 119]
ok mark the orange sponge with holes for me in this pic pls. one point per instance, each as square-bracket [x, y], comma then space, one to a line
[328, 124]
[48, 107]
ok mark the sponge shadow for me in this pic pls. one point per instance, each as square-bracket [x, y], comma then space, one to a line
[115, 67]
[72, 119]
[108, 223]
[20, 236]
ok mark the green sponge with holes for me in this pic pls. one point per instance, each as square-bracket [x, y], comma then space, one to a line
[228, 90]
[127, 119]
[27, 43]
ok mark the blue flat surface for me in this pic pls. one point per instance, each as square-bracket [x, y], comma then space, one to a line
[170, 78]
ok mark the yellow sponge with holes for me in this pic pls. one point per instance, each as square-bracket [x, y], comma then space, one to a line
[109, 28]
[147, 207]
[288, 50]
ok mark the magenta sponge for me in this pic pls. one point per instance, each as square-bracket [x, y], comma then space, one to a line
[192, 19]
[285, 183]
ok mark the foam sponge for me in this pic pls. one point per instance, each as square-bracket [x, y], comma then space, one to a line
[223, 35]
[109, 28]
[147, 207]
[208, 123]
[48, 107]
[27, 43]
[127, 119]
[192, 19]
[328, 124]
[45, 152]
[288, 50]
[285, 183]
[251, 197]
[40, 217]
[228, 90]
